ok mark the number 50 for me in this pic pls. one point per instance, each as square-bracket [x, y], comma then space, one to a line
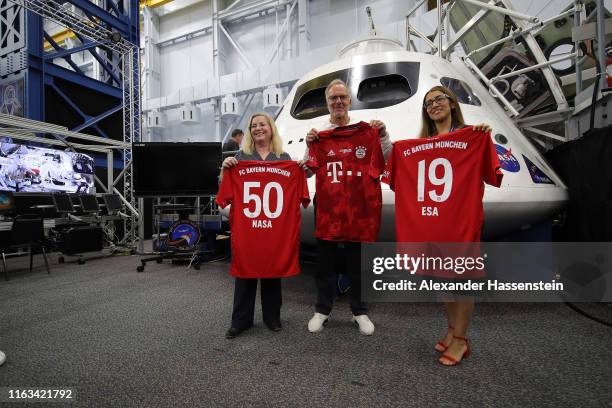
[265, 200]
[446, 180]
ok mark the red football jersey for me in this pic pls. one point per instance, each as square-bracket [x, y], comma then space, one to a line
[438, 184]
[265, 217]
[348, 162]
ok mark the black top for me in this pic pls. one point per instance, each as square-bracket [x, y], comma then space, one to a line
[255, 156]
[230, 146]
[452, 129]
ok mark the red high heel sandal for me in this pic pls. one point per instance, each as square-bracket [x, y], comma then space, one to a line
[440, 346]
[454, 361]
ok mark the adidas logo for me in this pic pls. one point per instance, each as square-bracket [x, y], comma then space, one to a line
[331, 153]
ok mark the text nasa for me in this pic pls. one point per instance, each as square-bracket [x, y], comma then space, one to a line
[263, 223]
[430, 211]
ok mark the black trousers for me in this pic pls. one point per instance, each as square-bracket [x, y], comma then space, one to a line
[245, 292]
[325, 277]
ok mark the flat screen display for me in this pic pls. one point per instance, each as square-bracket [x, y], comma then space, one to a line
[35, 203]
[176, 169]
[113, 202]
[7, 204]
[89, 203]
[63, 203]
[40, 169]
[75, 200]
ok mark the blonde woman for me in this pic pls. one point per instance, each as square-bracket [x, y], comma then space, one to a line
[261, 142]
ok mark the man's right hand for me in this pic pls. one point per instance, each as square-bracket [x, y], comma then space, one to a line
[229, 162]
[302, 165]
[312, 136]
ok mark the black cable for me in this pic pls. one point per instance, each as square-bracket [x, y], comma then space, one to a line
[587, 315]
[215, 260]
[595, 90]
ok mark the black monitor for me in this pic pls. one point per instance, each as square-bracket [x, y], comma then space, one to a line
[63, 203]
[102, 205]
[89, 203]
[7, 204]
[76, 200]
[113, 203]
[176, 169]
[35, 204]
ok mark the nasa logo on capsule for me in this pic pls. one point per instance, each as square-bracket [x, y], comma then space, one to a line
[507, 161]
[537, 175]
[360, 152]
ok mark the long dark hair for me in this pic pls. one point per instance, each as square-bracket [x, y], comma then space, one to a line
[429, 127]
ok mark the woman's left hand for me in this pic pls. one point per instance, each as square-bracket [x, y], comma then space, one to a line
[482, 127]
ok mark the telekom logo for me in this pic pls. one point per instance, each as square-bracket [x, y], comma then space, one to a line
[334, 169]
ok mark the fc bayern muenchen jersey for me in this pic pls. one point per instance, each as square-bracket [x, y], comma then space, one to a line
[265, 216]
[438, 184]
[348, 162]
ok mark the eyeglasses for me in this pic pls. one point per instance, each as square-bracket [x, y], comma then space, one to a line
[333, 98]
[437, 100]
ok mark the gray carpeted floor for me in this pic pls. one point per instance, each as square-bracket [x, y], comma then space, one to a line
[123, 338]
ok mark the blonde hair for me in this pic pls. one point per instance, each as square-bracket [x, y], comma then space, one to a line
[248, 145]
[429, 127]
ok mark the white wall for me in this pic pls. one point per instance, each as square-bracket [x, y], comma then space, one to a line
[341, 21]
[332, 23]
[185, 63]
[188, 63]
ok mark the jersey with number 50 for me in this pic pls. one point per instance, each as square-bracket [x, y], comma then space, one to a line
[265, 217]
[438, 184]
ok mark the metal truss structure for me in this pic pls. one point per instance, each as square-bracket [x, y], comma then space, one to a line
[112, 38]
[131, 134]
[108, 30]
[524, 27]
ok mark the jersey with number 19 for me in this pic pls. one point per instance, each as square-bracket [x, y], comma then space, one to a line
[438, 184]
[265, 217]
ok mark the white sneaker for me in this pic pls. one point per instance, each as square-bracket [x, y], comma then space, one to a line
[366, 327]
[2, 358]
[316, 323]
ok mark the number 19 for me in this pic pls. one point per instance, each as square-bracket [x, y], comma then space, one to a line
[446, 180]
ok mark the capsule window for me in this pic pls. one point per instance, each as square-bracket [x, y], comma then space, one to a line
[462, 90]
[370, 86]
[311, 104]
[390, 88]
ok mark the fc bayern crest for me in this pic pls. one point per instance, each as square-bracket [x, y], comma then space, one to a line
[360, 152]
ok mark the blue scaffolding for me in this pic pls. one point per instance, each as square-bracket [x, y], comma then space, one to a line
[53, 88]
